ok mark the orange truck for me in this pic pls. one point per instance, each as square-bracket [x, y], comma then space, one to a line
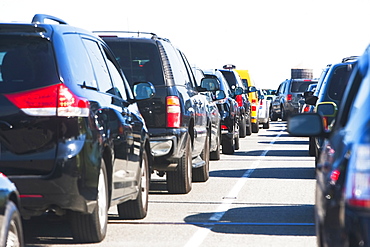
[253, 98]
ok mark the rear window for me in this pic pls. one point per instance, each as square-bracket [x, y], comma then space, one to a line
[26, 63]
[299, 86]
[230, 78]
[139, 61]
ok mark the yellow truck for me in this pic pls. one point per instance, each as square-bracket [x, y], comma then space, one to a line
[253, 98]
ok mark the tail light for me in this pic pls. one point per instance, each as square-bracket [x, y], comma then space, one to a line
[254, 108]
[357, 189]
[306, 108]
[55, 100]
[173, 110]
[224, 127]
[239, 100]
[254, 101]
[325, 122]
[289, 97]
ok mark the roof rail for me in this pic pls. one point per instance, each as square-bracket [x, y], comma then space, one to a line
[346, 59]
[153, 35]
[40, 18]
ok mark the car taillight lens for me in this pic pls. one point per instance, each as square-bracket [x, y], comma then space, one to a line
[224, 127]
[55, 100]
[239, 100]
[306, 108]
[357, 189]
[289, 97]
[173, 110]
[254, 108]
[254, 101]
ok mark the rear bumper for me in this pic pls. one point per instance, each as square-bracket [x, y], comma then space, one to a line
[167, 146]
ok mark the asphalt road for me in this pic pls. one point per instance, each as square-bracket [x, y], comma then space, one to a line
[263, 195]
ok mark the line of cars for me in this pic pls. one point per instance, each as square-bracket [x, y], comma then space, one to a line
[339, 132]
[86, 118]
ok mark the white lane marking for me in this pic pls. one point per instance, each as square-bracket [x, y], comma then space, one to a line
[199, 236]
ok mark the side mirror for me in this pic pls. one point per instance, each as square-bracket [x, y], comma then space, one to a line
[252, 89]
[220, 94]
[209, 84]
[238, 91]
[327, 109]
[143, 90]
[311, 100]
[307, 124]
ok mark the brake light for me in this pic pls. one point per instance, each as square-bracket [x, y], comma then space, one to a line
[254, 101]
[325, 122]
[289, 97]
[55, 100]
[334, 176]
[173, 110]
[223, 127]
[254, 108]
[239, 100]
[306, 108]
[357, 189]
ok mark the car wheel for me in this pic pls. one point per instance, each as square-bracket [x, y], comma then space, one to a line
[249, 126]
[311, 147]
[283, 114]
[179, 181]
[215, 155]
[266, 125]
[255, 127]
[14, 236]
[138, 208]
[243, 127]
[236, 143]
[273, 116]
[228, 145]
[90, 228]
[201, 174]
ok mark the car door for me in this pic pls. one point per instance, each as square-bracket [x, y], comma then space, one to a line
[199, 102]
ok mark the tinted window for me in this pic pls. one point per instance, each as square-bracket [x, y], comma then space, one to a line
[298, 86]
[26, 63]
[230, 78]
[99, 65]
[338, 81]
[139, 61]
[79, 61]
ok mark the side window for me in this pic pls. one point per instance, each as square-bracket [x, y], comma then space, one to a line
[189, 75]
[99, 65]
[79, 61]
[119, 86]
[173, 67]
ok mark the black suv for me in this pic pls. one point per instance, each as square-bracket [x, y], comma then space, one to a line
[177, 118]
[71, 136]
[287, 98]
[234, 81]
[229, 112]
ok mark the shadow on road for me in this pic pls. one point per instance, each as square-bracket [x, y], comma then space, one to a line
[296, 220]
[277, 173]
[280, 153]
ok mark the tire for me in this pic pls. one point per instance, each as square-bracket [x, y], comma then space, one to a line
[228, 146]
[215, 155]
[92, 228]
[311, 146]
[266, 125]
[179, 181]
[255, 127]
[243, 127]
[14, 236]
[284, 115]
[236, 143]
[249, 126]
[273, 116]
[138, 208]
[201, 174]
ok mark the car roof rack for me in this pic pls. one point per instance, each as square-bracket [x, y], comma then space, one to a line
[351, 58]
[139, 34]
[40, 18]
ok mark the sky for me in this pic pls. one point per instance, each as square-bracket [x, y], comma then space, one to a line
[266, 37]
